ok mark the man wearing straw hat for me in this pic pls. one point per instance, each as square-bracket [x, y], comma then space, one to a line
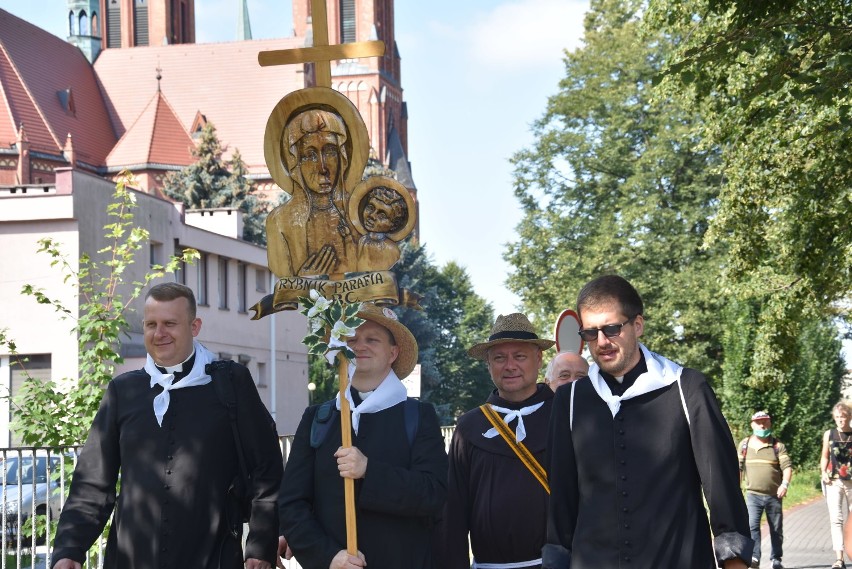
[397, 460]
[497, 486]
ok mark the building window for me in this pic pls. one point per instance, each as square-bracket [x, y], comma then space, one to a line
[84, 24]
[260, 280]
[21, 367]
[113, 21]
[140, 21]
[180, 271]
[155, 251]
[261, 375]
[201, 293]
[242, 296]
[223, 283]
[347, 21]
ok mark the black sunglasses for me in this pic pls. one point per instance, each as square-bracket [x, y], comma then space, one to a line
[610, 331]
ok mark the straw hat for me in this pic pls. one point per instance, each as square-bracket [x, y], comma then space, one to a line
[407, 358]
[511, 328]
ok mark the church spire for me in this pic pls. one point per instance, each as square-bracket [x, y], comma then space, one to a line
[243, 22]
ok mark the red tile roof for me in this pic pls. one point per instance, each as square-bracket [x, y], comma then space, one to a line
[118, 112]
[157, 137]
[222, 81]
[34, 67]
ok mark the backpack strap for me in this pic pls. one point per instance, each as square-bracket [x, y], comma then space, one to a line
[322, 422]
[222, 373]
[744, 446]
[412, 419]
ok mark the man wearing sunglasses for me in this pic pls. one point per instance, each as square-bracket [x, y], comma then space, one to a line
[634, 449]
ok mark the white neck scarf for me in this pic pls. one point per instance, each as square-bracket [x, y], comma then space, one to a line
[389, 392]
[197, 376]
[511, 415]
[661, 373]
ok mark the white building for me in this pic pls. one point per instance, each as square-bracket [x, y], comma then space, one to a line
[229, 278]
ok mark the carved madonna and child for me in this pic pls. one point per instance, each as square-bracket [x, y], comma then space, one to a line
[337, 232]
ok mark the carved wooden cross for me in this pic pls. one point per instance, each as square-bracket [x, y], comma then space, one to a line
[321, 54]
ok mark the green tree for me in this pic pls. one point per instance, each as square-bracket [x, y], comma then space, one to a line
[211, 182]
[799, 400]
[464, 319]
[453, 318]
[614, 184]
[770, 83]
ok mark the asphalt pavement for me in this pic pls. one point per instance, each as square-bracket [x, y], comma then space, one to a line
[807, 538]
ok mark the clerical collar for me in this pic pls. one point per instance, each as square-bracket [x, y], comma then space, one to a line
[185, 365]
[619, 387]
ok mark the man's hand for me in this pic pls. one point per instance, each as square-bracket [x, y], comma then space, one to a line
[345, 561]
[283, 551]
[66, 564]
[257, 564]
[782, 491]
[735, 564]
[351, 462]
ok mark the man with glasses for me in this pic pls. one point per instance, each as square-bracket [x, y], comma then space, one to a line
[633, 450]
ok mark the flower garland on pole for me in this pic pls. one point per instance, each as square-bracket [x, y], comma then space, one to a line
[331, 322]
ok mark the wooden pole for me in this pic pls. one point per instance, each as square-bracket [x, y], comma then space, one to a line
[346, 439]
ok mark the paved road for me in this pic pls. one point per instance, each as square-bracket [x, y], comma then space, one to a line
[807, 538]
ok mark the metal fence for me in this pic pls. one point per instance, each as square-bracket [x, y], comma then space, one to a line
[34, 487]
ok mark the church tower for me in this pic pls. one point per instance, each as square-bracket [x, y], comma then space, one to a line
[373, 84]
[84, 17]
[104, 24]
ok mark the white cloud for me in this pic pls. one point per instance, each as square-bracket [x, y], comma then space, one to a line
[527, 33]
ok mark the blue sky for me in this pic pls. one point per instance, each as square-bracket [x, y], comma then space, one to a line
[476, 74]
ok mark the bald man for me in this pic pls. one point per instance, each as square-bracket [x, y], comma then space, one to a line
[565, 368]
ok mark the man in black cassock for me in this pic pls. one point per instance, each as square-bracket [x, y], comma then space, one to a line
[631, 448]
[168, 432]
[495, 497]
[397, 460]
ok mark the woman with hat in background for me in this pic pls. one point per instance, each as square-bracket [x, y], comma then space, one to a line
[836, 470]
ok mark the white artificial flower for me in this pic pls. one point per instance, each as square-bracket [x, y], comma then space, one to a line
[334, 346]
[321, 304]
[341, 330]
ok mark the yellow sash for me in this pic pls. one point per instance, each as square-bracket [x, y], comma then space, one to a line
[523, 452]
